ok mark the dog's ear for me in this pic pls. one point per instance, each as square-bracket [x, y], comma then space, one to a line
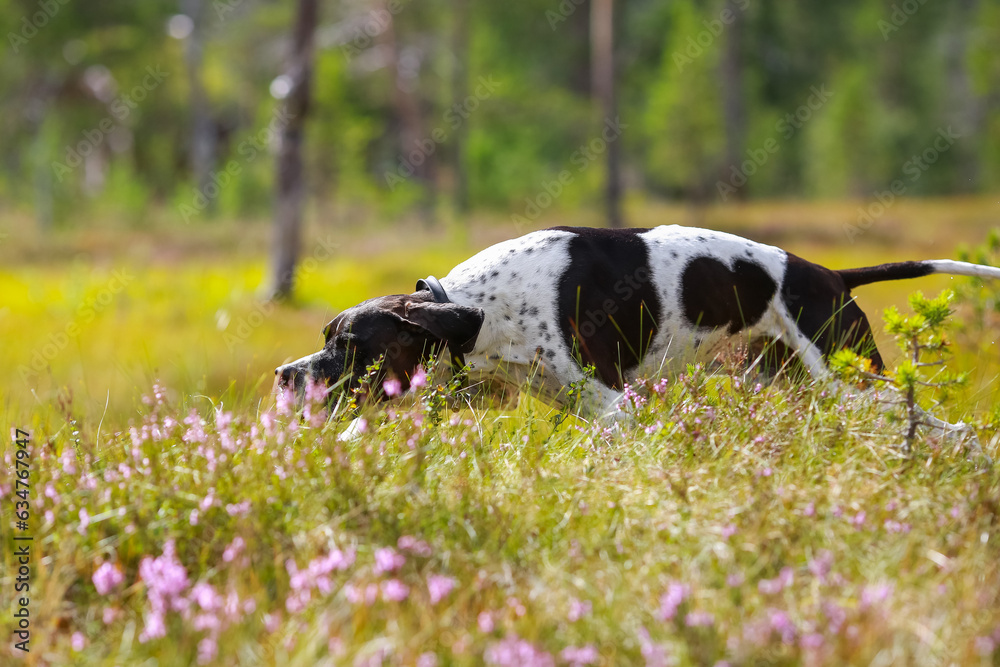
[458, 325]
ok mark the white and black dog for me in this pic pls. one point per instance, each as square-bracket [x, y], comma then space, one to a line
[628, 302]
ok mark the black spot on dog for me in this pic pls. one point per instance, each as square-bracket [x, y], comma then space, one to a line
[551, 354]
[713, 295]
[494, 274]
[533, 311]
[493, 297]
[543, 326]
[607, 305]
[673, 254]
[820, 302]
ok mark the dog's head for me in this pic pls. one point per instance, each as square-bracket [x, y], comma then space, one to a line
[402, 329]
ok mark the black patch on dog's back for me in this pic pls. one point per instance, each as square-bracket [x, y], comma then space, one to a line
[608, 307]
[713, 295]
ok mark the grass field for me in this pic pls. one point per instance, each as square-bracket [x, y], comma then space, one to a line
[180, 514]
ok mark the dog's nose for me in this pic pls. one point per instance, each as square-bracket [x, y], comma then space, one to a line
[285, 375]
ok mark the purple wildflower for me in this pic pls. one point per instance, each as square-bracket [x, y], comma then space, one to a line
[107, 578]
[512, 651]
[388, 559]
[584, 655]
[439, 586]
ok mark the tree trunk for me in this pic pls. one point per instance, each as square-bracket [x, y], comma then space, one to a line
[734, 112]
[602, 58]
[202, 127]
[406, 100]
[459, 91]
[291, 184]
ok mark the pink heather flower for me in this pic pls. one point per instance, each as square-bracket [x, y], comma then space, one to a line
[872, 595]
[193, 517]
[778, 584]
[68, 462]
[672, 599]
[809, 510]
[272, 622]
[578, 609]
[985, 646]
[78, 641]
[783, 625]
[395, 590]
[821, 565]
[316, 391]
[516, 605]
[233, 550]
[512, 651]
[153, 627]
[812, 641]
[166, 580]
[207, 650]
[238, 509]
[439, 586]
[728, 531]
[109, 615]
[286, 402]
[84, 521]
[485, 622]
[392, 387]
[419, 378]
[206, 597]
[655, 654]
[388, 559]
[584, 655]
[107, 578]
[699, 619]
[427, 659]
[414, 545]
[735, 579]
[859, 520]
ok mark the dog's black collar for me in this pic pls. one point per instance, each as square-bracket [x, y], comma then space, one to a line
[433, 285]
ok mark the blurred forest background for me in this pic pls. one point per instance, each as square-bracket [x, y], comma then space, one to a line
[155, 152]
[428, 110]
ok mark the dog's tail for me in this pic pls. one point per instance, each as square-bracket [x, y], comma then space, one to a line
[902, 270]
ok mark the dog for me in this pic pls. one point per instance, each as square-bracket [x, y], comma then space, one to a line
[602, 307]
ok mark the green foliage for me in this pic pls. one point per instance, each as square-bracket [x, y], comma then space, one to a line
[724, 521]
[890, 95]
[982, 297]
[925, 344]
